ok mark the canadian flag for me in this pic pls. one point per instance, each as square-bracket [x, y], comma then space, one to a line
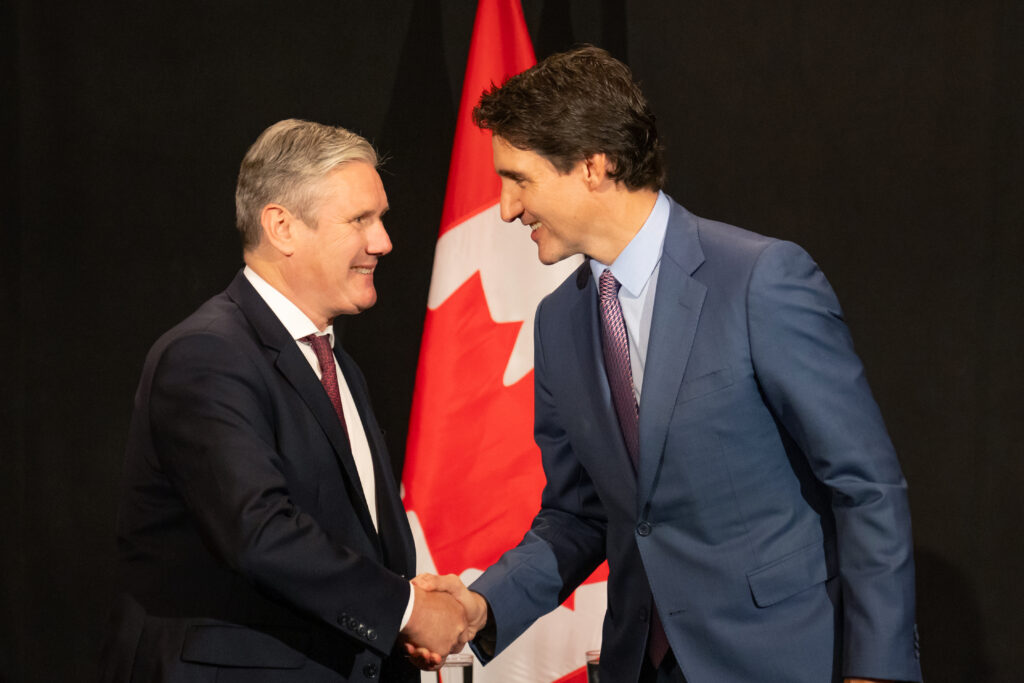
[472, 478]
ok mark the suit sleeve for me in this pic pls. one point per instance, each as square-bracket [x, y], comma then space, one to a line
[814, 383]
[566, 541]
[209, 418]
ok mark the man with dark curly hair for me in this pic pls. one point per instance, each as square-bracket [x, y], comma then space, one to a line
[704, 422]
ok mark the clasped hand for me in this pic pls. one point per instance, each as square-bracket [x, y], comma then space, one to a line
[445, 616]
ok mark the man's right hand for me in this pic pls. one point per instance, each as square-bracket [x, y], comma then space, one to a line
[436, 628]
[473, 603]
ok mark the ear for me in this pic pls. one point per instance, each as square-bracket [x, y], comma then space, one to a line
[595, 170]
[279, 225]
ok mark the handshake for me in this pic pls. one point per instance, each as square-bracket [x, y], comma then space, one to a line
[445, 616]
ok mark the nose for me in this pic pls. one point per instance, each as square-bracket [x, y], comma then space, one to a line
[378, 243]
[511, 206]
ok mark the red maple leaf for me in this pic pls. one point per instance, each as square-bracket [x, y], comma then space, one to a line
[472, 473]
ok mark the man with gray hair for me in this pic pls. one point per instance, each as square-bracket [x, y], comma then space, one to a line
[260, 534]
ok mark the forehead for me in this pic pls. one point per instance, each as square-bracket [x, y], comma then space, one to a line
[513, 162]
[354, 175]
[354, 184]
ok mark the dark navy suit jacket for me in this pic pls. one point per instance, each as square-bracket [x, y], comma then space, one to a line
[246, 547]
[768, 520]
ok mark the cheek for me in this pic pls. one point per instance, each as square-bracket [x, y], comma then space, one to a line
[344, 254]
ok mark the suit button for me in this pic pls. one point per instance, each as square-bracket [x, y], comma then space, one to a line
[343, 619]
[371, 634]
[643, 528]
[370, 670]
[361, 630]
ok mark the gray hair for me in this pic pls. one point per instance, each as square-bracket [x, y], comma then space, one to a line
[285, 165]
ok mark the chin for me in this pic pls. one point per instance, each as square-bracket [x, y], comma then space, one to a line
[355, 306]
[543, 256]
[550, 259]
[367, 302]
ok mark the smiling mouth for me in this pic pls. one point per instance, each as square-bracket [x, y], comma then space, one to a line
[533, 226]
[363, 270]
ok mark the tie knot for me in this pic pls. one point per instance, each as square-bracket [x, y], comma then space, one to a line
[608, 285]
[319, 342]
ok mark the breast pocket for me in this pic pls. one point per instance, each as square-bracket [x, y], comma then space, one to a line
[705, 384]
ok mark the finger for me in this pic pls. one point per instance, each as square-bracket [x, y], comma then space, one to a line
[423, 658]
[416, 654]
[451, 584]
[427, 582]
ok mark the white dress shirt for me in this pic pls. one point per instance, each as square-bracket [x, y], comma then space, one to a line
[299, 325]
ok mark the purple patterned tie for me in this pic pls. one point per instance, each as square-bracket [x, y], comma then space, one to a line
[616, 363]
[615, 345]
[328, 375]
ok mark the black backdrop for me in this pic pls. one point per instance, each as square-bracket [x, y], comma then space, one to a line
[886, 137]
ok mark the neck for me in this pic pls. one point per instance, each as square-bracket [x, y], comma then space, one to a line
[274, 273]
[617, 221]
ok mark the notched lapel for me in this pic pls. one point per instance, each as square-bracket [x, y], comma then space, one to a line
[293, 366]
[677, 306]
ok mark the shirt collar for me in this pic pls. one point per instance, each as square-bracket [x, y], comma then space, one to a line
[637, 261]
[293, 319]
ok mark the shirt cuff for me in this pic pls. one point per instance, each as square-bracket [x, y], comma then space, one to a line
[408, 608]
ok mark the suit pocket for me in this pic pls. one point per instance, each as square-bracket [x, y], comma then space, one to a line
[798, 571]
[705, 384]
[227, 645]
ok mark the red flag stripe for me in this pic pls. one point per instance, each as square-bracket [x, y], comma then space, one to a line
[473, 475]
[500, 48]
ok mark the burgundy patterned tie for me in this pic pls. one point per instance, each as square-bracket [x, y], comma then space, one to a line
[615, 345]
[328, 375]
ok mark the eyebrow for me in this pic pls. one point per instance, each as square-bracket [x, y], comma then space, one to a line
[512, 175]
[367, 214]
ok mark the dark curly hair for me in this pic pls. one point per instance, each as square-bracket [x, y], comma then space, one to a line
[573, 105]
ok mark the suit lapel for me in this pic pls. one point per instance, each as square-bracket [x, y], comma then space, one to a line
[394, 539]
[294, 367]
[677, 306]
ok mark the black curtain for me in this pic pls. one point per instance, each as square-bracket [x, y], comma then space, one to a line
[884, 137]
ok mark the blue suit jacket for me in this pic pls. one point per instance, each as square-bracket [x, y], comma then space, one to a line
[768, 517]
[246, 547]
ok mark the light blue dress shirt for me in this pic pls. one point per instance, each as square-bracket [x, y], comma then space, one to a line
[636, 269]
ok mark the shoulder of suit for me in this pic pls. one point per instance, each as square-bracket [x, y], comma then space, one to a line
[218, 317]
[570, 289]
[720, 240]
